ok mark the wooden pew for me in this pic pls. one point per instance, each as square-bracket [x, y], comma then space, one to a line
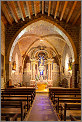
[12, 107]
[65, 95]
[73, 118]
[27, 98]
[71, 106]
[7, 118]
[69, 95]
[64, 91]
[25, 90]
[19, 89]
[59, 100]
[18, 93]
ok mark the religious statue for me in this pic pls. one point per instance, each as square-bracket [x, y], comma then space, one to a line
[41, 62]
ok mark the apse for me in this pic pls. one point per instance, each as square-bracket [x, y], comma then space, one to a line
[41, 41]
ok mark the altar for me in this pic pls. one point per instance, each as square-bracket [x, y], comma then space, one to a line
[41, 86]
[41, 75]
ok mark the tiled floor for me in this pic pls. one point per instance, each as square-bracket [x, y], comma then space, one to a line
[42, 109]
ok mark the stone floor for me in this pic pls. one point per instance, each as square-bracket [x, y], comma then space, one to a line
[42, 109]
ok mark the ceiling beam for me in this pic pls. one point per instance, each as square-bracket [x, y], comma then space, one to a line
[42, 7]
[49, 7]
[35, 8]
[73, 7]
[21, 8]
[28, 9]
[13, 12]
[3, 20]
[38, 6]
[53, 7]
[57, 6]
[65, 5]
[14, 9]
[76, 18]
[6, 13]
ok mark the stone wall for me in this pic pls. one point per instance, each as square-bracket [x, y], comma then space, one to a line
[55, 75]
[3, 53]
[16, 76]
[26, 78]
[64, 64]
[72, 30]
[80, 58]
[27, 75]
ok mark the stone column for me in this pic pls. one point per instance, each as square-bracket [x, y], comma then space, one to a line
[32, 71]
[50, 72]
[10, 70]
[75, 69]
[7, 72]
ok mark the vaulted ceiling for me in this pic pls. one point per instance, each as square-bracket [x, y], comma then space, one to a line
[68, 11]
[40, 33]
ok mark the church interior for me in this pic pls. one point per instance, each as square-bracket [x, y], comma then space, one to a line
[40, 60]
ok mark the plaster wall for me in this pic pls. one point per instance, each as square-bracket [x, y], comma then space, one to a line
[16, 76]
[64, 64]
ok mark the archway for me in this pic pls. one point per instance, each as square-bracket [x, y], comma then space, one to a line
[58, 28]
[58, 33]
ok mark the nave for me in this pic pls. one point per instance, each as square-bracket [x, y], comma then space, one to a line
[42, 109]
[41, 60]
[25, 104]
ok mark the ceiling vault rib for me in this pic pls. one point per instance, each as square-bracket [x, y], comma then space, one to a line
[49, 7]
[57, 6]
[6, 13]
[65, 5]
[71, 11]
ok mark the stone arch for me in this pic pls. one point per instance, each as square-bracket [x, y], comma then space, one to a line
[30, 47]
[58, 28]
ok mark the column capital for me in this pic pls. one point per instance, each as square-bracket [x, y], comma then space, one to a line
[32, 60]
[50, 60]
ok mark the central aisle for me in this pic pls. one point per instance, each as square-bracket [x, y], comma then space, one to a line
[42, 109]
